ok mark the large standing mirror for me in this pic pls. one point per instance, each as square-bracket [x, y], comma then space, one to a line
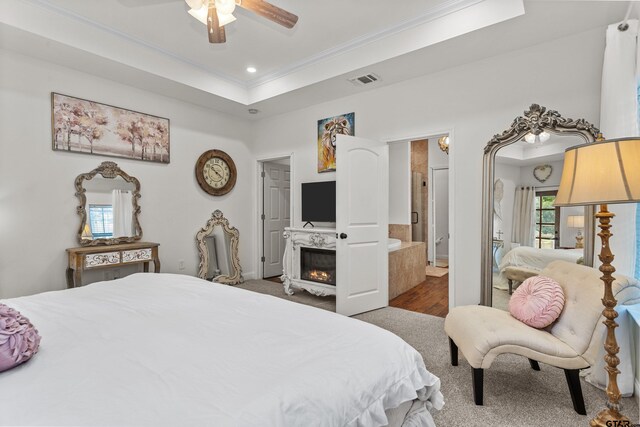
[108, 206]
[523, 230]
[218, 250]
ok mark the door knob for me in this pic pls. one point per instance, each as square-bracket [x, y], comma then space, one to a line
[343, 235]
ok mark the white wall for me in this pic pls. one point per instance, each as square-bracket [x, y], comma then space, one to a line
[527, 178]
[476, 101]
[38, 217]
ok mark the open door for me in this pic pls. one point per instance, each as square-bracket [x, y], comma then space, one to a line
[362, 224]
[275, 216]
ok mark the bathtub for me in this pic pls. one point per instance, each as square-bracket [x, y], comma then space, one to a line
[394, 244]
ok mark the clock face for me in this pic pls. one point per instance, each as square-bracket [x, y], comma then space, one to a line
[216, 172]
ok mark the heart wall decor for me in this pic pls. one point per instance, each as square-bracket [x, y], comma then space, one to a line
[542, 172]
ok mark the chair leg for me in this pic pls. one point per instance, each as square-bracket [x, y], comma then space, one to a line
[573, 380]
[510, 286]
[534, 365]
[477, 385]
[453, 349]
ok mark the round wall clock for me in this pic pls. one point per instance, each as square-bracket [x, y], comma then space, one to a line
[216, 172]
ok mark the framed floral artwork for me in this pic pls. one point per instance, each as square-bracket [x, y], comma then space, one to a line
[82, 126]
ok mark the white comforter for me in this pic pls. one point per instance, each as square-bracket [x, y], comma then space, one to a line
[171, 350]
[538, 259]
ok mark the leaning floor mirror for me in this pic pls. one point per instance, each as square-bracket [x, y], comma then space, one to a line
[217, 244]
[522, 229]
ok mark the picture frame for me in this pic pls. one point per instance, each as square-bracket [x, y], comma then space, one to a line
[343, 124]
[89, 127]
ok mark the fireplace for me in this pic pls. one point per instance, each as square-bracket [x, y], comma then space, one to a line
[318, 265]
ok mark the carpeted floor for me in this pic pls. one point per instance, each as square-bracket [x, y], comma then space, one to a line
[514, 394]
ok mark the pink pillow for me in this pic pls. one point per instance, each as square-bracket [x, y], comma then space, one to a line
[19, 340]
[537, 302]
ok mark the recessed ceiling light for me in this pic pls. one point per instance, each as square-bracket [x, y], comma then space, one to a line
[251, 69]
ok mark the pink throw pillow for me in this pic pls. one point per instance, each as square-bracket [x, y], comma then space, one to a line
[19, 340]
[537, 302]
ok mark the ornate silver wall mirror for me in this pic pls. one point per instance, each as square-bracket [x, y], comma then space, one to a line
[522, 230]
[108, 206]
[218, 250]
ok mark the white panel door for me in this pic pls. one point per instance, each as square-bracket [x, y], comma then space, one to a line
[362, 223]
[276, 190]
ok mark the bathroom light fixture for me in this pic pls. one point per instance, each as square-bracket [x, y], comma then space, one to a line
[532, 138]
[443, 143]
[251, 69]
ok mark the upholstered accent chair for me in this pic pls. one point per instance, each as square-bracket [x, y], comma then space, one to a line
[571, 343]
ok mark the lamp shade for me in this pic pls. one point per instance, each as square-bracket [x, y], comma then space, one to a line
[601, 173]
[575, 221]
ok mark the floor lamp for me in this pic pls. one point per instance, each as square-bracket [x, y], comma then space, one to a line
[601, 173]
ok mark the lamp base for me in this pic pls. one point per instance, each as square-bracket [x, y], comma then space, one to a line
[609, 417]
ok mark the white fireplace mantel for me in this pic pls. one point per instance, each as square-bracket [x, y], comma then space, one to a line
[320, 238]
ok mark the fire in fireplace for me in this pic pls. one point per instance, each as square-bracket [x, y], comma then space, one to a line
[318, 265]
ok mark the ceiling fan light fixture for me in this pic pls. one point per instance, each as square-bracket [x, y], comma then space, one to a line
[225, 19]
[532, 138]
[195, 4]
[202, 13]
[225, 7]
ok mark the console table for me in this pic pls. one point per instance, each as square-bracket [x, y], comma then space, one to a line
[322, 239]
[109, 256]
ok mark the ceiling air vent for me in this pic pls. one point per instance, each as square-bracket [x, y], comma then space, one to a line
[364, 79]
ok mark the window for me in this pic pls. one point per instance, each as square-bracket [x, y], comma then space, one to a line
[547, 220]
[101, 221]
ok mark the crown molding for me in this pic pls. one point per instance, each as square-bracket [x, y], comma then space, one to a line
[46, 4]
[443, 9]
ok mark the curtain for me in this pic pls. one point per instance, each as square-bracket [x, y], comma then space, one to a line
[122, 203]
[618, 119]
[523, 216]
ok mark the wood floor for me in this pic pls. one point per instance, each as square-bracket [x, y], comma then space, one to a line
[429, 297]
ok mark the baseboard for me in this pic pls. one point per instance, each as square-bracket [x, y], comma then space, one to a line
[636, 393]
[251, 275]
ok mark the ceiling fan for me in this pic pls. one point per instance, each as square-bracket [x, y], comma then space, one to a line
[215, 14]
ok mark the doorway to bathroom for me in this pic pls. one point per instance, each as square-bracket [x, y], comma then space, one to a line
[424, 164]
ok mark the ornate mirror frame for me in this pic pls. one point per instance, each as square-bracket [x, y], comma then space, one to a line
[108, 170]
[536, 120]
[217, 218]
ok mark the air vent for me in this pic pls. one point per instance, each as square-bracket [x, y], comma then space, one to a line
[364, 79]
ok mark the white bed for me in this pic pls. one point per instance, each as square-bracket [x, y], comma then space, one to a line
[535, 259]
[172, 350]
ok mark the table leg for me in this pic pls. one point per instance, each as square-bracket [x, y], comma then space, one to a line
[77, 278]
[145, 267]
[156, 265]
[69, 278]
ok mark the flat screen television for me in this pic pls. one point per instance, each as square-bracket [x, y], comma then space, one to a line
[319, 201]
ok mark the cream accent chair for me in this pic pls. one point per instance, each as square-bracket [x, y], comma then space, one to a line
[571, 343]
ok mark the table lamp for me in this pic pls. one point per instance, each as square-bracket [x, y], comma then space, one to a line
[601, 173]
[577, 221]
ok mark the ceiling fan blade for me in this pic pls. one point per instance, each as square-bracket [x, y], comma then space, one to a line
[269, 11]
[216, 32]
